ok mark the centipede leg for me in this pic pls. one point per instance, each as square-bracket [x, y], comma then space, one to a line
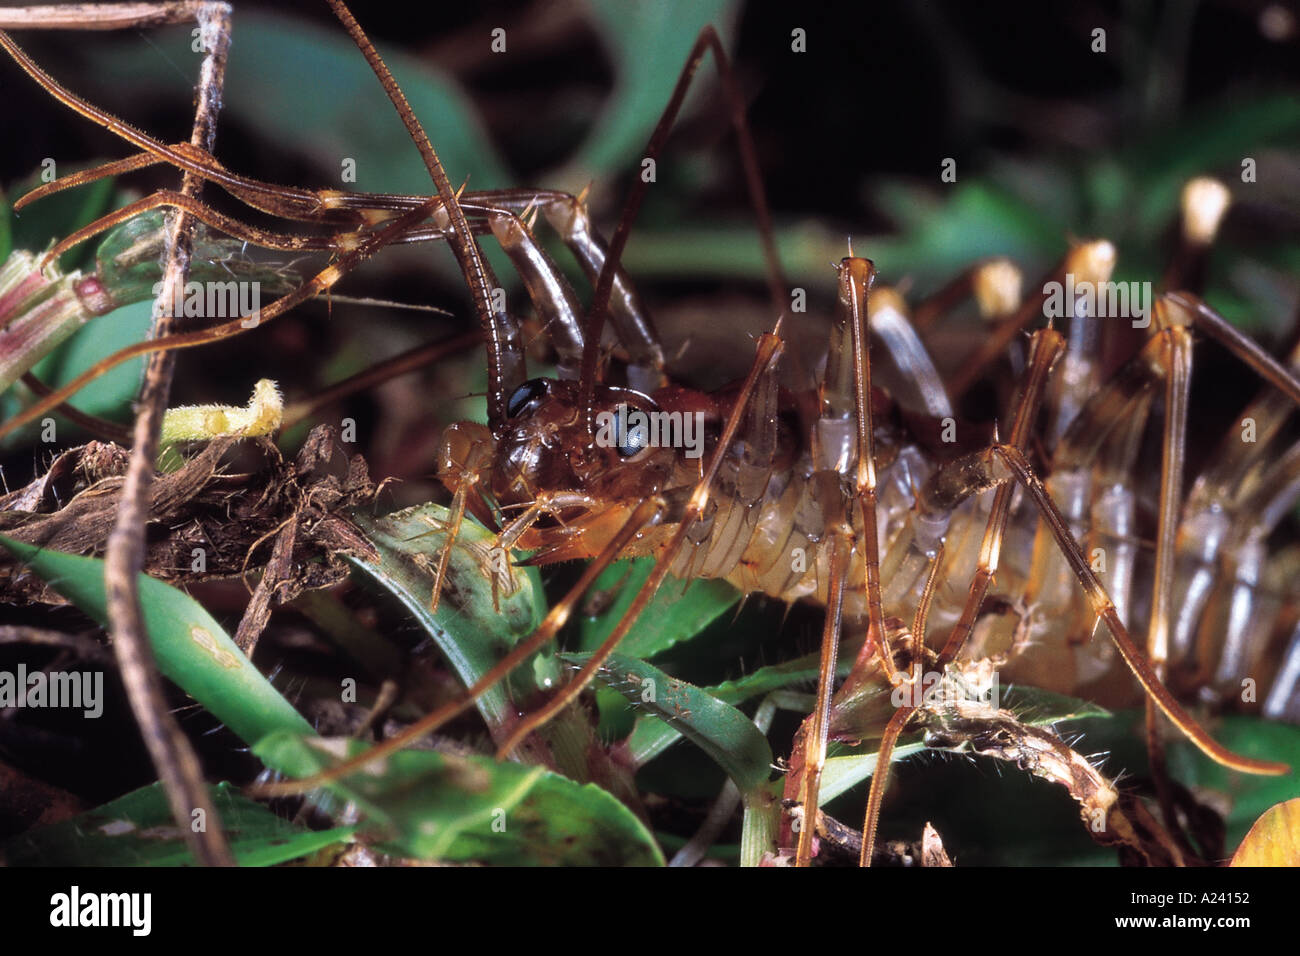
[898, 722]
[1044, 349]
[920, 387]
[1254, 515]
[845, 424]
[1177, 362]
[1204, 204]
[628, 315]
[840, 540]
[204, 214]
[550, 292]
[119, 167]
[276, 200]
[1227, 335]
[465, 483]
[1093, 462]
[1211, 523]
[1020, 469]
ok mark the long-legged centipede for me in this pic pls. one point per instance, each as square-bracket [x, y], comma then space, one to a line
[841, 505]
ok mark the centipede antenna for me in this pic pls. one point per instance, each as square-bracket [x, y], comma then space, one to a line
[204, 214]
[318, 283]
[184, 156]
[898, 722]
[506, 370]
[72, 180]
[707, 40]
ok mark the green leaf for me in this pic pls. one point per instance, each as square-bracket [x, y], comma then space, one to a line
[59, 215]
[841, 774]
[721, 731]
[306, 88]
[678, 612]
[473, 809]
[111, 394]
[191, 647]
[1038, 708]
[652, 737]
[1251, 795]
[472, 633]
[6, 226]
[648, 44]
[138, 830]
[1274, 840]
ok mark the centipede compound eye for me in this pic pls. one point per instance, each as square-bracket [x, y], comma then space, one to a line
[527, 397]
[633, 431]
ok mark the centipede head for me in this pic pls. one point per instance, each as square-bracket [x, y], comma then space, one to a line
[543, 445]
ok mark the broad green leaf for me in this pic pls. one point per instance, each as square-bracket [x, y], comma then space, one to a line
[138, 830]
[472, 632]
[1038, 708]
[192, 649]
[1274, 840]
[473, 809]
[678, 612]
[723, 732]
[648, 44]
[841, 774]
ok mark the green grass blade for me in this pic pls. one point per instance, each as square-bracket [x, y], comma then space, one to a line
[724, 733]
[471, 632]
[192, 649]
[436, 806]
[678, 612]
[138, 830]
